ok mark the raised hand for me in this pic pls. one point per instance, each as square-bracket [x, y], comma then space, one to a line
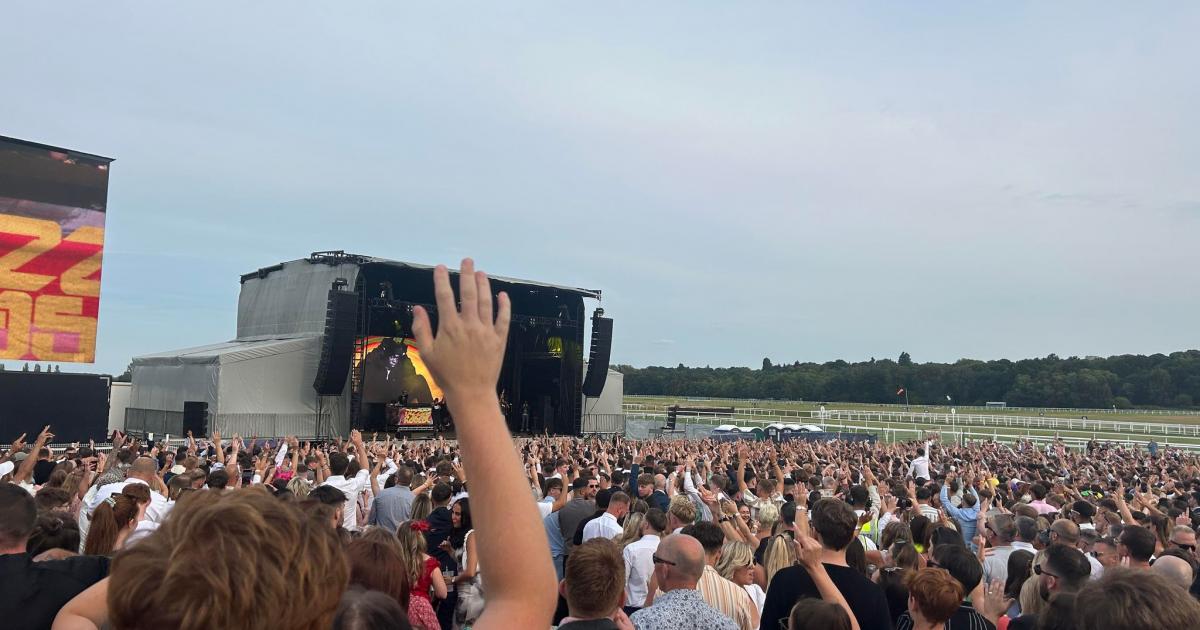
[466, 354]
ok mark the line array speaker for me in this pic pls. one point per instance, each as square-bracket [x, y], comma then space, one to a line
[195, 417]
[597, 372]
[337, 346]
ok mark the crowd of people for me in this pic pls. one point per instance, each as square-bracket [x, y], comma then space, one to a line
[487, 531]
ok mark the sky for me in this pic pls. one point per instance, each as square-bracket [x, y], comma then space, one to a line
[742, 181]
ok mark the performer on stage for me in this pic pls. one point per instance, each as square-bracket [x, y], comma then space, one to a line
[525, 418]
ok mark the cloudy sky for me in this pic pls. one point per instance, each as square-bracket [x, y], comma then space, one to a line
[800, 183]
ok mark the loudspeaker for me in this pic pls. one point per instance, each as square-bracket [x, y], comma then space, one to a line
[195, 418]
[337, 346]
[672, 417]
[597, 372]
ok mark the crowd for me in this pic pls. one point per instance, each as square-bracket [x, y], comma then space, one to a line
[595, 533]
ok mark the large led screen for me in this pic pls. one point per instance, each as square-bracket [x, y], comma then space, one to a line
[52, 209]
[395, 373]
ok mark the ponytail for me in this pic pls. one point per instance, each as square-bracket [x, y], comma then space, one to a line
[111, 516]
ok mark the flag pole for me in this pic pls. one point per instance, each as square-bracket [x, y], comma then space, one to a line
[907, 407]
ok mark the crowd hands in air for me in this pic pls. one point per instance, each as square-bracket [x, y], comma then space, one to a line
[586, 533]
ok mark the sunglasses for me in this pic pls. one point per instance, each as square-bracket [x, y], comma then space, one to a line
[658, 560]
[1037, 568]
[1184, 546]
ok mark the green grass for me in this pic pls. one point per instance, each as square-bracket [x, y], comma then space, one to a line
[808, 406]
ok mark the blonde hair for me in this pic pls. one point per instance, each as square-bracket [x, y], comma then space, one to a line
[422, 507]
[780, 555]
[266, 564]
[1031, 599]
[768, 515]
[632, 531]
[299, 487]
[683, 509]
[412, 549]
[734, 555]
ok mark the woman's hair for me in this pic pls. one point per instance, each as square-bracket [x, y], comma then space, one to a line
[53, 531]
[780, 554]
[299, 487]
[110, 517]
[922, 531]
[422, 506]
[265, 564]
[377, 564]
[935, 593]
[369, 610]
[458, 535]
[1031, 598]
[810, 613]
[896, 531]
[1020, 567]
[904, 555]
[57, 478]
[856, 557]
[734, 555]
[632, 531]
[412, 548]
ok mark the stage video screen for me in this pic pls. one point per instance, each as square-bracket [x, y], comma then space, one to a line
[52, 210]
[395, 373]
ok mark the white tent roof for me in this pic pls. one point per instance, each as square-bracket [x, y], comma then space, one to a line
[226, 352]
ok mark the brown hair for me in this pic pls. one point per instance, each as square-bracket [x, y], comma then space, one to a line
[377, 564]
[815, 613]
[110, 517]
[265, 565]
[936, 593]
[1126, 599]
[138, 492]
[835, 522]
[595, 578]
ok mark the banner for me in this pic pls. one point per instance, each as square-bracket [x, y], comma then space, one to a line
[52, 209]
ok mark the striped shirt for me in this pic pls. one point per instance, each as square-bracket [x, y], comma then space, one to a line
[728, 598]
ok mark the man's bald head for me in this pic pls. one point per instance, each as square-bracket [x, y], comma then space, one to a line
[1068, 531]
[688, 555]
[144, 468]
[1175, 569]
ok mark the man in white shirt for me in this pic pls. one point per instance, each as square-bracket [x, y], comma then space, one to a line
[607, 525]
[919, 468]
[354, 486]
[639, 559]
[144, 470]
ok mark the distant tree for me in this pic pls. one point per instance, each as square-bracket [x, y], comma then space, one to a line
[1121, 402]
[1182, 401]
[766, 364]
[904, 360]
[127, 375]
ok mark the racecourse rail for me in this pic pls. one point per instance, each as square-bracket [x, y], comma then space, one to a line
[654, 401]
[911, 425]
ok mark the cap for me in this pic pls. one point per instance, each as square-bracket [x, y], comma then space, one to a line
[178, 469]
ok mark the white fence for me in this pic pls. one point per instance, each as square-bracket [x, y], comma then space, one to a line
[635, 399]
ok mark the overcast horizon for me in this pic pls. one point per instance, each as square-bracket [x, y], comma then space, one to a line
[799, 183]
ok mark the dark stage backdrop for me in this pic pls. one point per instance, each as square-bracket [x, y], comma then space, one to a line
[74, 405]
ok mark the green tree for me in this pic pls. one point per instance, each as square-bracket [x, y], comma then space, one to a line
[905, 360]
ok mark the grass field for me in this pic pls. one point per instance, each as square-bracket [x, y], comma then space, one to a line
[1126, 416]
[1001, 424]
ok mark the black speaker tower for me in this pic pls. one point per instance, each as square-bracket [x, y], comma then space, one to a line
[195, 418]
[597, 371]
[337, 346]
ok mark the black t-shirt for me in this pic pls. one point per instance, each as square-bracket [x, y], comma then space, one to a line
[42, 470]
[793, 583]
[32, 593]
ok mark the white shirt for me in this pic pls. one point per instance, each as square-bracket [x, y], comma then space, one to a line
[920, 466]
[143, 529]
[546, 506]
[756, 593]
[606, 526]
[351, 488]
[639, 566]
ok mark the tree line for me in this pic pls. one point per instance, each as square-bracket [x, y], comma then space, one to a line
[1124, 381]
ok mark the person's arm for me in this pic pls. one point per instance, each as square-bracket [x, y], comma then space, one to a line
[949, 507]
[1122, 507]
[465, 357]
[808, 552]
[439, 583]
[86, 611]
[470, 563]
[25, 470]
[360, 451]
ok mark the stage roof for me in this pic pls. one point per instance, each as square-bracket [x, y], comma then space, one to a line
[227, 352]
[339, 257]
